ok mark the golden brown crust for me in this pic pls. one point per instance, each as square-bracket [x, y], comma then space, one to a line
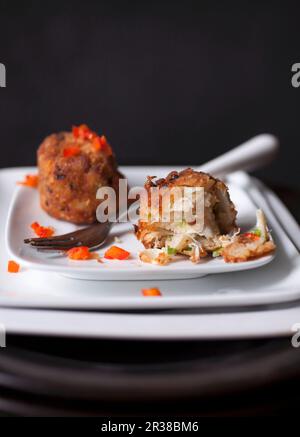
[243, 250]
[184, 178]
[142, 231]
[223, 210]
[68, 185]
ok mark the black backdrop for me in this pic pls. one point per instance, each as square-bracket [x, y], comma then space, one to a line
[168, 82]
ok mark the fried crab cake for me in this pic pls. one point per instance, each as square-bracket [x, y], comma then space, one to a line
[72, 166]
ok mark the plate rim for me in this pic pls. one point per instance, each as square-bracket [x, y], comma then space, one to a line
[189, 271]
[168, 302]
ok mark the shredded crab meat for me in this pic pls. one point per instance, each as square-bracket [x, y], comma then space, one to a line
[244, 248]
[197, 253]
[211, 232]
[233, 248]
[154, 256]
[261, 225]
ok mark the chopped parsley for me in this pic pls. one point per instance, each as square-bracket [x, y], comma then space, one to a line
[256, 231]
[217, 252]
[171, 250]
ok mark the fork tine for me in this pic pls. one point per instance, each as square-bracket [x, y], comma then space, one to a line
[70, 236]
[62, 247]
[65, 237]
[52, 248]
[47, 240]
[92, 236]
[51, 243]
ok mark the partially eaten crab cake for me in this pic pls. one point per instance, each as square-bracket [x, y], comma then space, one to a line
[195, 237]
[196, 232]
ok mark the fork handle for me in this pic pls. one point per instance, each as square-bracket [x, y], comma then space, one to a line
[250, 155]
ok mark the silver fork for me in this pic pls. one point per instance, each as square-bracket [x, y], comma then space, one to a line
[248, 156]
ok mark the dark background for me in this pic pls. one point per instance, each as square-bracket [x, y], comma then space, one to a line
[167, 82]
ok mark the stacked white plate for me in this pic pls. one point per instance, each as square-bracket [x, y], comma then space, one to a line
[54, 296]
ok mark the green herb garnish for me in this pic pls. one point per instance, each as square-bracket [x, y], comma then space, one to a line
[256, 231]
[217, 252]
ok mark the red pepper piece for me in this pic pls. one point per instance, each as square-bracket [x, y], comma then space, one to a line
[251, 236]
[106, 146]
[71, 151]
[42, 231]
[115, 252]
[149, 292]
[81, 253]
[13, 267]
[31, 180]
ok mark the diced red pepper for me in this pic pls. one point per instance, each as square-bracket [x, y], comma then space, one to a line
[84, 132]
[30, 180]
[13, 267]
[251, 235]
[106, 146]
[101, 143]
[115, 252]
[75, 131]
[97, 143]
[71, 151]
[81, 253]
[147, 292]
[80, 131]
[42, 231]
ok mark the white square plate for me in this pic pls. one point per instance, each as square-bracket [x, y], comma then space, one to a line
[273, 284]
[25, 209]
